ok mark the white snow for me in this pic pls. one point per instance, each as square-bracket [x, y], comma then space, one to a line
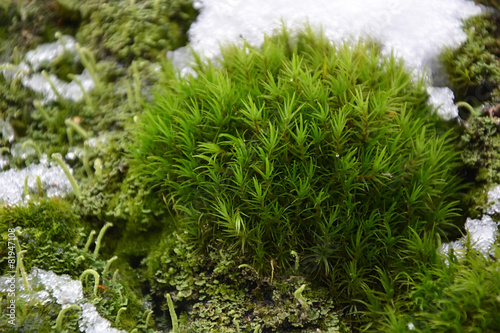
[494, 200]
[69, 91]
[482, 235]
[43, 54]
[443, 98]
[7, 130]
[63, 290]
[416, 30]
[53, 179]
[46, 53]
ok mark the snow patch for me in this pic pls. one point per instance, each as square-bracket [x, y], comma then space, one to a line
[63, 290]
[416, 30]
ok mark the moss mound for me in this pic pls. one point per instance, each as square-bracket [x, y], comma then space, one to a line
[328, 151]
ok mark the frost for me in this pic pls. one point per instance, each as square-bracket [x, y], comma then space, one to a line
[69, 91]
[46, 53]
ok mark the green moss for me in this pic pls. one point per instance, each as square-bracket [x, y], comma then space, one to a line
[328, 151]
[32, 316]
[460, 295]
[480, 146]
[473, 69]
[15, 106]
[141, 29]
[25, 24]
[212, 292]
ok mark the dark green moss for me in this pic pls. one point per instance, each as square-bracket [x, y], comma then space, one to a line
[212, 292]
[473, 69]
[145, 29]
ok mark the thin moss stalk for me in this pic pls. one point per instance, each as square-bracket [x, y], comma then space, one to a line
[300, 297]
[42, 111]
[137, 86]
[32, 144]
[96, 278]
[148, 317]
[115, 274]
[173, 315]
[54, 89]
[98, 165]
[86, 95]
[26, 191]
[86, 153]
[468, 107]
[60, 317]
[120, 311]
[99, 238]
[22, 271]
[20, 266]
[88, 60]
[89, 241]
[73, 126]
[108, 264]
[72, 180]
[80, 259]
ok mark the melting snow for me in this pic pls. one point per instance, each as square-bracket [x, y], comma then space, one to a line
[44, 54]
[62, 290]
[53, 179]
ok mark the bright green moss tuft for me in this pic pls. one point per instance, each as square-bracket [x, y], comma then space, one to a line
[328, 151]
[459, 295]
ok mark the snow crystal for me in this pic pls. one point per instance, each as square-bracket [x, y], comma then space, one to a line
[443, 98]
[482, 233]
[46, 53]
[52, 178]
[63, 290]
[92, 322]
[494, 201]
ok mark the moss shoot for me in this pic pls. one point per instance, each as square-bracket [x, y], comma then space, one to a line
[325, 150]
